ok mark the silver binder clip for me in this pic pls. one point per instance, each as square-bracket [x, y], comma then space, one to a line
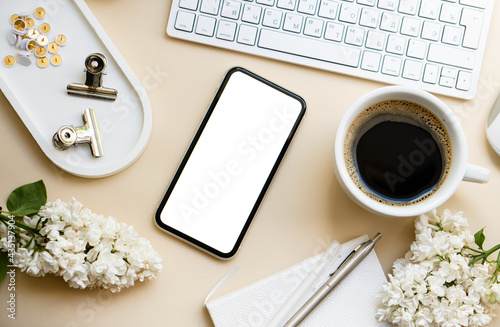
[94, 69]
[68, 136]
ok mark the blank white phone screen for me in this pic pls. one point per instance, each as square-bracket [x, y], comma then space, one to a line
[231, 162]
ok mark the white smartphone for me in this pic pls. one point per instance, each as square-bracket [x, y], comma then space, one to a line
[230, 163]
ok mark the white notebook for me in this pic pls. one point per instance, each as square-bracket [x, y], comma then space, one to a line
[351, 304]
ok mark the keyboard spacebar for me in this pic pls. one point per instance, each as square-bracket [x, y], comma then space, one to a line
[309, 48]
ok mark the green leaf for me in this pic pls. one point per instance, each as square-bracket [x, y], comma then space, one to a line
[479, 238]
[27, 199]
[4, 261]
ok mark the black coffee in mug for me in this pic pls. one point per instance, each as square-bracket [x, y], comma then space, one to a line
[397, 152]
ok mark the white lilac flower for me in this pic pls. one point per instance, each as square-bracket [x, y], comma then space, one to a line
[435, 284]
[86, 249]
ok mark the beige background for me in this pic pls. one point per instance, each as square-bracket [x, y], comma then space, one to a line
[303, 211]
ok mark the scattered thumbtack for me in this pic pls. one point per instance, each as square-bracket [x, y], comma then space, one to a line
[9, 61]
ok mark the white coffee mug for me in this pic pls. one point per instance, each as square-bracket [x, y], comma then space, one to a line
[459, 168]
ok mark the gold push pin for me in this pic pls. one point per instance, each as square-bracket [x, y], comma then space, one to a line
[13, 18]
[12, 38]
[94, 64]
[56, 60]
[30, 22]
[42, 40]
[41, 51]
[45, 28]
[53, 47]
[42, 62]
[68, 136]
[19, 24]
[24, 60]
[9, 61]
[61, 40]
[33, 33]
[39, 13]
[31, 45]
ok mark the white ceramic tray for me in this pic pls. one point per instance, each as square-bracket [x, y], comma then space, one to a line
[40, 98]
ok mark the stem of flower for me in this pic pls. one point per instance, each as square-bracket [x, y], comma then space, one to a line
[20, 224]
[495, 274]
[471, 249]
[484, 255]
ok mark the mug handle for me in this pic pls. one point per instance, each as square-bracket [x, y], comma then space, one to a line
[476, 174]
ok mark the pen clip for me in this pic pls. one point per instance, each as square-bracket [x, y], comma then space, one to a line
[347, 258]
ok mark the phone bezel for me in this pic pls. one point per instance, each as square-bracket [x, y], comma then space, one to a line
[179, 234]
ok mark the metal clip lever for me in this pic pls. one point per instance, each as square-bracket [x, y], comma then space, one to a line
[94, 64]
[68, 136]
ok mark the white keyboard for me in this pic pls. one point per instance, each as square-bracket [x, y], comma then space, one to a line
[436, 45]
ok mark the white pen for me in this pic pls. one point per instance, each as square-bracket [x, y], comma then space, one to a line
[352, 260]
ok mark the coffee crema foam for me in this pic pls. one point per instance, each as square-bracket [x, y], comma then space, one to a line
[398, 111]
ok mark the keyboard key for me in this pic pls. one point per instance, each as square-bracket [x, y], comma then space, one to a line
[369, 17]
[286, 4]
[188, 4]
[410, 26]
[448, 72]
[408, 7]
[293, 23]
[366, 2]
[429, 9]
[391, 65]
[416, 49]
[313, 27]
[387, 4]
[464, 80]
[431, 31]
[452, 35]
[266, 2]
[334, 31]
[449, 13]
[309, 48]
[348, 13]
[307, 6]
[272, 18]
[371, 61]
[247, 34]
[448, 77]
[354, 35]
[231, 9]
[205, 25]
[412, 70]
[185, 21]
[251, 14]
[390, 22]
[328, 9]
[473, 22]
[446, 81]
[375, 40]
[430, 74]
[226, 30]
[475, 3]
[452, 56]
[210, 6]
[396, 44]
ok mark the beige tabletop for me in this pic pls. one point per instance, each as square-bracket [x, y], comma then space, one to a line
[302, 213]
